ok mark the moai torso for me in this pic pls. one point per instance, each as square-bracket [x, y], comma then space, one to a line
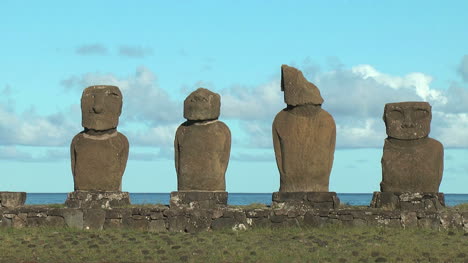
[303, 136]
[99, 153]
[411, 161]
[202, 144]
[99, 161]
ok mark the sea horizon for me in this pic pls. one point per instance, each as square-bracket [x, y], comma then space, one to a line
[33, 198]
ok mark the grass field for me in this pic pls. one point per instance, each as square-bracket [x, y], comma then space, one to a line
[329, 244]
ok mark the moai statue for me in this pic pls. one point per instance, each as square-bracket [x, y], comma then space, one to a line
[99, 153]
[202, 146]
[412, 163]
[304, 141]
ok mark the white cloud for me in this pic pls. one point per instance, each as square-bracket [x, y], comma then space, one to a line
[360, 133]
[14, 153]
[450, 129]
[159, 136]
[417, 81]
[135, 51]
[91, 49]
[252, 103]
[31, 129]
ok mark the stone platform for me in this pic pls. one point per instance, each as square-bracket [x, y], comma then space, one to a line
[89, 199]
[12, 199]
[160, 218]
[408, 201]
[198, 199]
[305, 200]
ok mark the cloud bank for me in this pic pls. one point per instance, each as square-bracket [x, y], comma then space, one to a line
[355, 96]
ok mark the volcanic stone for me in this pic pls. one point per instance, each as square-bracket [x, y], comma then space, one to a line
[202, 104]
[297, 90]
[303, 136]
[202, 145]
[407, 120]
[12, 199]
[101, 107]
[99, 153]
[411, 161]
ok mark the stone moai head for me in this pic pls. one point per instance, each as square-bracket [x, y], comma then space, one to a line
[297, 90]
[202, 104]
[407, 120]
[101, 107]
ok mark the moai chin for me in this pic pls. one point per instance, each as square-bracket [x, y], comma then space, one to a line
[202, 147]
[411, 161]
[99, 153]
[303, 136]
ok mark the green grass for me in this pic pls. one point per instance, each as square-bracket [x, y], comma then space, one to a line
[330, 244]
[462, 207]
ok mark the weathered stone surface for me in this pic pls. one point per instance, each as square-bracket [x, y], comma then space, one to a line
[407, 120]
[5, 222]
[303, 137]
[409, 219]
[139, 224]
[202, 104]
[202, 152]
[177, 223]
[110, 223]
[101, 107]
[19, 220]
[464, 221]
[450, 219]
[411, 161]
[409, 201]
[94, 219]
[235, 218]
[73, 217]
[305, 200]
[97, 199]
[12, 199]
[223, 223]
[157, 226]
[297, 90]
[198, 199]
[55, 221]
[99, 153]
[198, 220]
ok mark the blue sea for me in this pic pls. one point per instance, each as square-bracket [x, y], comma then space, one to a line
[233, 199]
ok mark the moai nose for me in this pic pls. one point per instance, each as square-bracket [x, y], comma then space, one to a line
[407, 122]
[98, 104]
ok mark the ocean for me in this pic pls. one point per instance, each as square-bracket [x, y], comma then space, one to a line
[233, 198]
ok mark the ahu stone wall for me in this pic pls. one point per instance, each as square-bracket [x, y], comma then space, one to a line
[160, 218]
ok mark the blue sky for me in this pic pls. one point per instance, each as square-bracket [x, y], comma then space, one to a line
[360, 54]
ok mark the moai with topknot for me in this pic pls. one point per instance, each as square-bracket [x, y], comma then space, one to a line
[304, 138]
[412, 163]
[202, 147]
[99, 153]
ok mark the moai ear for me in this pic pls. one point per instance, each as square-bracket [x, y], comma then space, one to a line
[297, 90]
[202, 104]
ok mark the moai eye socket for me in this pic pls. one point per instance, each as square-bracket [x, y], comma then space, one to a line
[395, 115]
[419, 114]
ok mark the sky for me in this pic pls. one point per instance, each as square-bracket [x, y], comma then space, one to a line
[360, 54]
